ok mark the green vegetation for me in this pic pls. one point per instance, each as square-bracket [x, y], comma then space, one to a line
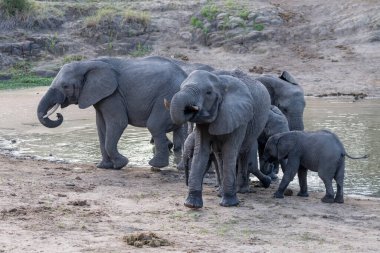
[21, 77]
[12, 7]
[25, 82]
[210, 12]
[109, 12]
[140, 50]
[230, 9]
[74, 57]
[258, 27]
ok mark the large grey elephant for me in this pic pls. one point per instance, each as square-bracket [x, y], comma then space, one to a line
[319, 151]
[226, 112]
[288, 96]
[122, 92]
[277, 123]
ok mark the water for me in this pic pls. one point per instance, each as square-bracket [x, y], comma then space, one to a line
[356, 123]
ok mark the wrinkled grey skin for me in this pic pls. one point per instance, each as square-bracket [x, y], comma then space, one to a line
[288, 96]
[277, 123]
[190, 67]
[319, 151]
[223, 108]
[122, 92]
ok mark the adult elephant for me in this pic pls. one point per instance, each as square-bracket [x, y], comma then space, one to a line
[225, 111]
[288, 96]
[122, 92]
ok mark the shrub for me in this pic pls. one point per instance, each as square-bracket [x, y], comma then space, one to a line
[15, 6]
[210, 12]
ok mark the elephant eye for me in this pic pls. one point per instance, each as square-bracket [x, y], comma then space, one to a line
[208, 92]
[65, 86]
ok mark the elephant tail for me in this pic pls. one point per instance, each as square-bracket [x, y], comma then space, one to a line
[360, 157]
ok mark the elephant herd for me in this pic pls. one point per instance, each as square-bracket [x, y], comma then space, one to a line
[235, 115]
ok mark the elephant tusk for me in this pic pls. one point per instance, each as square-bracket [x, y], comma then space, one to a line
[195, 108]
[51, 111]
[166, 104]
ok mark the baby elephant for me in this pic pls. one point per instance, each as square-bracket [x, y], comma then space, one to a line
[319, 151]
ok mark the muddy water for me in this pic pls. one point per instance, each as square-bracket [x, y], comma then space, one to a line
[357, 124]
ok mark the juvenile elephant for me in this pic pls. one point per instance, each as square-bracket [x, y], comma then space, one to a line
[225, 111]
[319, 151]
[122, 92]
[277, 123]
[288, 96]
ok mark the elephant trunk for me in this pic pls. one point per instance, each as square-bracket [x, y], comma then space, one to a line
[49, 100]
[182, 107]
[296, 123]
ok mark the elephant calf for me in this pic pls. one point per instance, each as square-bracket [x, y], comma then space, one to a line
[319, 151]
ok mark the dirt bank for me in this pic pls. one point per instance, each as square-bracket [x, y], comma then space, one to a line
[48, 207]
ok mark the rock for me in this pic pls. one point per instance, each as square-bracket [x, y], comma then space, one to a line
[186, 36]
[221, 16]
[235, 22]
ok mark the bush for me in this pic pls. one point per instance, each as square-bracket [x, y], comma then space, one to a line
[15, 6]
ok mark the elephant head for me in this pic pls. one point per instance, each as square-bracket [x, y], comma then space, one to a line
[278, 148]
[223, 102]
[83, 83]
[288, 96]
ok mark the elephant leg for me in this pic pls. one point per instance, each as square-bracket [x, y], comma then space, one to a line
[113, 134]
[242, 173]
[253, 167]
[290, 171]
[329, 197]
[230, 150]
[179, 137]
[302, 179]
[339, 178]
[158, 125]
[101, 126]
[115, 120]
[161, 151]
[198, 167]
[217, 168]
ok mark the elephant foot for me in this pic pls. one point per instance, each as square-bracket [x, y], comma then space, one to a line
[159, 162]
[120, 162]
[266, 181]
[243, 189]
[228, 200]
[303, 194]
[273, 177]
[339, 199]
[105, 165]
[278, 195]
[327, 199]
[194, 199]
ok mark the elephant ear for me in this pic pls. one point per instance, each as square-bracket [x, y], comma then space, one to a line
[100, 81]
[286, 76]
[235, 109]
[284, 144]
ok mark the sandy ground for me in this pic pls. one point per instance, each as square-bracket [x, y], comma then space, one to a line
[48, 207]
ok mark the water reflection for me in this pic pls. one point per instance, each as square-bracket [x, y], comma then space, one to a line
[356, 123]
